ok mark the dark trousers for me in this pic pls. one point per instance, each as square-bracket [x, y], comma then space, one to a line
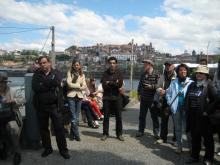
[204, 131]
[90, 115]
[43, 115]
[116, 107]
[164, 126]
[144, 106]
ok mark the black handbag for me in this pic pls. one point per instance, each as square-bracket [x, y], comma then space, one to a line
[6, 112]
[125, 100]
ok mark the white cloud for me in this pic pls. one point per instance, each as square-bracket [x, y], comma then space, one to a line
[186, 24]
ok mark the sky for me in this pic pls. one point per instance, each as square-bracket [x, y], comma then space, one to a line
[172, 26]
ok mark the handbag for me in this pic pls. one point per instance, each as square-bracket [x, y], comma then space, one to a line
[125, 100]
[6, 112]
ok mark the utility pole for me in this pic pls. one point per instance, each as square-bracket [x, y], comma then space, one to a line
[132, 65]
[207, 51]
[53, 56]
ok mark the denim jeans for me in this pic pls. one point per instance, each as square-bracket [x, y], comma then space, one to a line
[75, 107]
[179, 121]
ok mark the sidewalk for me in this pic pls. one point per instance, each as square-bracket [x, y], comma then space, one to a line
[91, 150]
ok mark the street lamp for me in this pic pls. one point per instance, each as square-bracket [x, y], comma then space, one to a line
[132, 65]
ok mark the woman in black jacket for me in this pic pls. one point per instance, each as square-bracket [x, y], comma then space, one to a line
[198, 98]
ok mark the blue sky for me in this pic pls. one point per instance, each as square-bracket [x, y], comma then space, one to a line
[171, 25]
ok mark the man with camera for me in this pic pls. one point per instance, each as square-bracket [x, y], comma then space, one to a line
[146, 92]
[164, 81]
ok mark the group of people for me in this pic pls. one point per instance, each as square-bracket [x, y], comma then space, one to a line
[81, 95]
[190, 102]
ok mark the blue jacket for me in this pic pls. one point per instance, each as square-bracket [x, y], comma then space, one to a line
[173, 90]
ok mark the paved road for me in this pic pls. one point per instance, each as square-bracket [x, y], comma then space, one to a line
[91, 150]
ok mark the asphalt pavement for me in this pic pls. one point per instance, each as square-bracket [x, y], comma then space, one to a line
[133, 151]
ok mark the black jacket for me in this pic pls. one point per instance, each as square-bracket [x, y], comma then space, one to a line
[198, 100]
[46, 88]
[111, 82]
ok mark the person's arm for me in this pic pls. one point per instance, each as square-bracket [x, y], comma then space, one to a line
[139, 87]
[70, 84]
[83, 86]
[105, 82]
[37, 83]
[118, 82]
[18, 95]
[212, 98]
[169, 92]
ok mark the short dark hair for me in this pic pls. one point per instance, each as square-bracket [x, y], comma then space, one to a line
[41, 57]
[112, 58]
[184, 66]
[203, 60]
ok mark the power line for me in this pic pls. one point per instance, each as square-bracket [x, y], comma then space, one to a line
[45, 42]
[22, 31]
[13, 27]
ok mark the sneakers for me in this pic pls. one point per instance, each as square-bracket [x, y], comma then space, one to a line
[17, 159]
[46, 152]
[65, 154]
[160, 141]
[207, 162]
[121, 138]
[139, 134]
[218, 153]
[104, 137]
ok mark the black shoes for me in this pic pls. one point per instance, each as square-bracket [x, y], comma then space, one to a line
[46, 152]
[139, 134]
[65, 154]
[77, 138]
[104, 137]
[92, 125]
[17, 159]
[156, 136]
[192, 161]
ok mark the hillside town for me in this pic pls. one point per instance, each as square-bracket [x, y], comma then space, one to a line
[94, 57]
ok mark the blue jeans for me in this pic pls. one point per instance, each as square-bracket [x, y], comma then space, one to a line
[75, 107]
[179, 121]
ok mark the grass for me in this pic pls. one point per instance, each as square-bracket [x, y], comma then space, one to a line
[133, 94]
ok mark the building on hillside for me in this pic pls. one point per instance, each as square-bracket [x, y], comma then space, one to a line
[3, 52]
